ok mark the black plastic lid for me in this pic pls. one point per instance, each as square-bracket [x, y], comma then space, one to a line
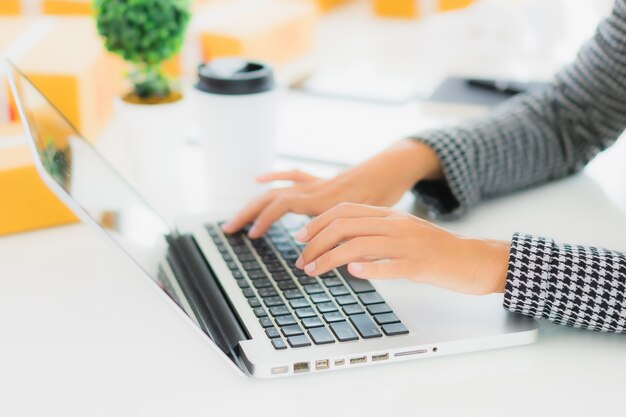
[234, 76]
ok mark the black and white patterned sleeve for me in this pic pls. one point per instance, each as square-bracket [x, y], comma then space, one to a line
[571, 285]
[536, 137]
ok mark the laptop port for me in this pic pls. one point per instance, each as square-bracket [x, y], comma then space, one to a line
[339, 362]
[300, 367]
[321, 364]
[354, 361]
[280, 370]
[382, 357]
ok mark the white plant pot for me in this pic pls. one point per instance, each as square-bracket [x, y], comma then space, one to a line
[155, 135]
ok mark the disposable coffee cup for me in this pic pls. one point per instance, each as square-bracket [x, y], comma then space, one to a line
[235, 103]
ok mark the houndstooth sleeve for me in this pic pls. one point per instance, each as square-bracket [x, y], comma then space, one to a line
[535, 137]
[572, 285]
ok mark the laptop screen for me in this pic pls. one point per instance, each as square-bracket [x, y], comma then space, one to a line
[87, 182]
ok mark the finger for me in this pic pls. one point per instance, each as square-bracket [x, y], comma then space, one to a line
[248, 213]
[356, 249]
[392, 268]
[294, 175]
[343, 210]
[339, 230]
[295, 203]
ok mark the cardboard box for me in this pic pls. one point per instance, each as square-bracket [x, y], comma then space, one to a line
[27, 204]
[449, 5]
[274, 31]
[397, 8]
[67, 7]
[69, 65]
[10, 7]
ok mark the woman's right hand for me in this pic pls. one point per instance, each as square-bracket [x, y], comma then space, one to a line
[379, 181]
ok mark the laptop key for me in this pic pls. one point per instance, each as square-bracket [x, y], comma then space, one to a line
[326, 307]
[292, 330]
[250, 266]
[275, 267]
[281, 276]
[307, 280]
[261, 283]
[273, 301]
[333, 316]
[313, 289]
[290, 294]
[248, 292]
[332, 282]
[312, 322]
[256, 274]
[265, 322]
[279, 310]
[298, 341]
[358, 285]
[395, 329]
[378, 308]
[343, 331]
[305, 312]
[242, 283]
[371, 298]
[320, 336]
[365, 326]
[386, 318]
[287, 285]
[245, 257]
[299, 303]
[279, 343]
[259, 312]
[353, 309]
[254, 302]
[267, 292]
[339, 291]
[286, 320]
[237, 274]
[271, 332]
[320, 298]
[232, 265]
[345, 300]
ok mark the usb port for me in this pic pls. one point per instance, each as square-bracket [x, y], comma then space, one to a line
[299, 367]
[361, 359]
[339, 362]
[321, 364]
[382, 357]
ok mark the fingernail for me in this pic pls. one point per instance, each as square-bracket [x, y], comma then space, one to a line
[253, 232]
[300, 262]
[356, 268]
[301, 234]
[310, 268]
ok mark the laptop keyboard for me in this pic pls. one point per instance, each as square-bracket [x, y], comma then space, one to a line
[293, 308]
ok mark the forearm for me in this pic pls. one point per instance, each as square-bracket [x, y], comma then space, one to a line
[571, 285]
[541, 136]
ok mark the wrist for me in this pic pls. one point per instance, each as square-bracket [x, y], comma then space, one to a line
[415, 160]
[496, 263]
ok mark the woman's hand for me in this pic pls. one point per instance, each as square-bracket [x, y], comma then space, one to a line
[382, 180]
[384, 243]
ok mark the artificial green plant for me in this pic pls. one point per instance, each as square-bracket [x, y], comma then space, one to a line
[144, 33]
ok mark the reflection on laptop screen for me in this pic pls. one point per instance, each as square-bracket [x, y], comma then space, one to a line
[89, 181]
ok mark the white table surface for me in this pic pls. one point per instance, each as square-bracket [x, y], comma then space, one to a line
[82, 333]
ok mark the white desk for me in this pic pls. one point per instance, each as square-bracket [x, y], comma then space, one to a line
[82, 334]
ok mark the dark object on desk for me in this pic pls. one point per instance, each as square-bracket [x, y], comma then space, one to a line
[480, 92]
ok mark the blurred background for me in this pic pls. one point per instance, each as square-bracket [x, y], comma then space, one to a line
[356, 74]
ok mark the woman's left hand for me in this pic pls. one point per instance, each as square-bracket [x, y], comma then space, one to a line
[380, 243]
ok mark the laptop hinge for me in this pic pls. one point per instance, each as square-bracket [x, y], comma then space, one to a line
[208, 300]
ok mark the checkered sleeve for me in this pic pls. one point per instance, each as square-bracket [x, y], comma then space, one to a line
[571, 285]
[536, 137]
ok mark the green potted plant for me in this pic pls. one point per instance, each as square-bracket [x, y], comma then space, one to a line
[145, 33]
[150, 117]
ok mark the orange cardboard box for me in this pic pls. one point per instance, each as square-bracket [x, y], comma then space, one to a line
[66, 7]
[275, 32]
[449, 5]
[10, 7]
[70, 66]
[397, 8]
[27, 204]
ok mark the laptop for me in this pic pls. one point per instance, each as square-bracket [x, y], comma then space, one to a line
[266, 316]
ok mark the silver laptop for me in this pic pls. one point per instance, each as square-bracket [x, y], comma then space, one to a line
[265, 315]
